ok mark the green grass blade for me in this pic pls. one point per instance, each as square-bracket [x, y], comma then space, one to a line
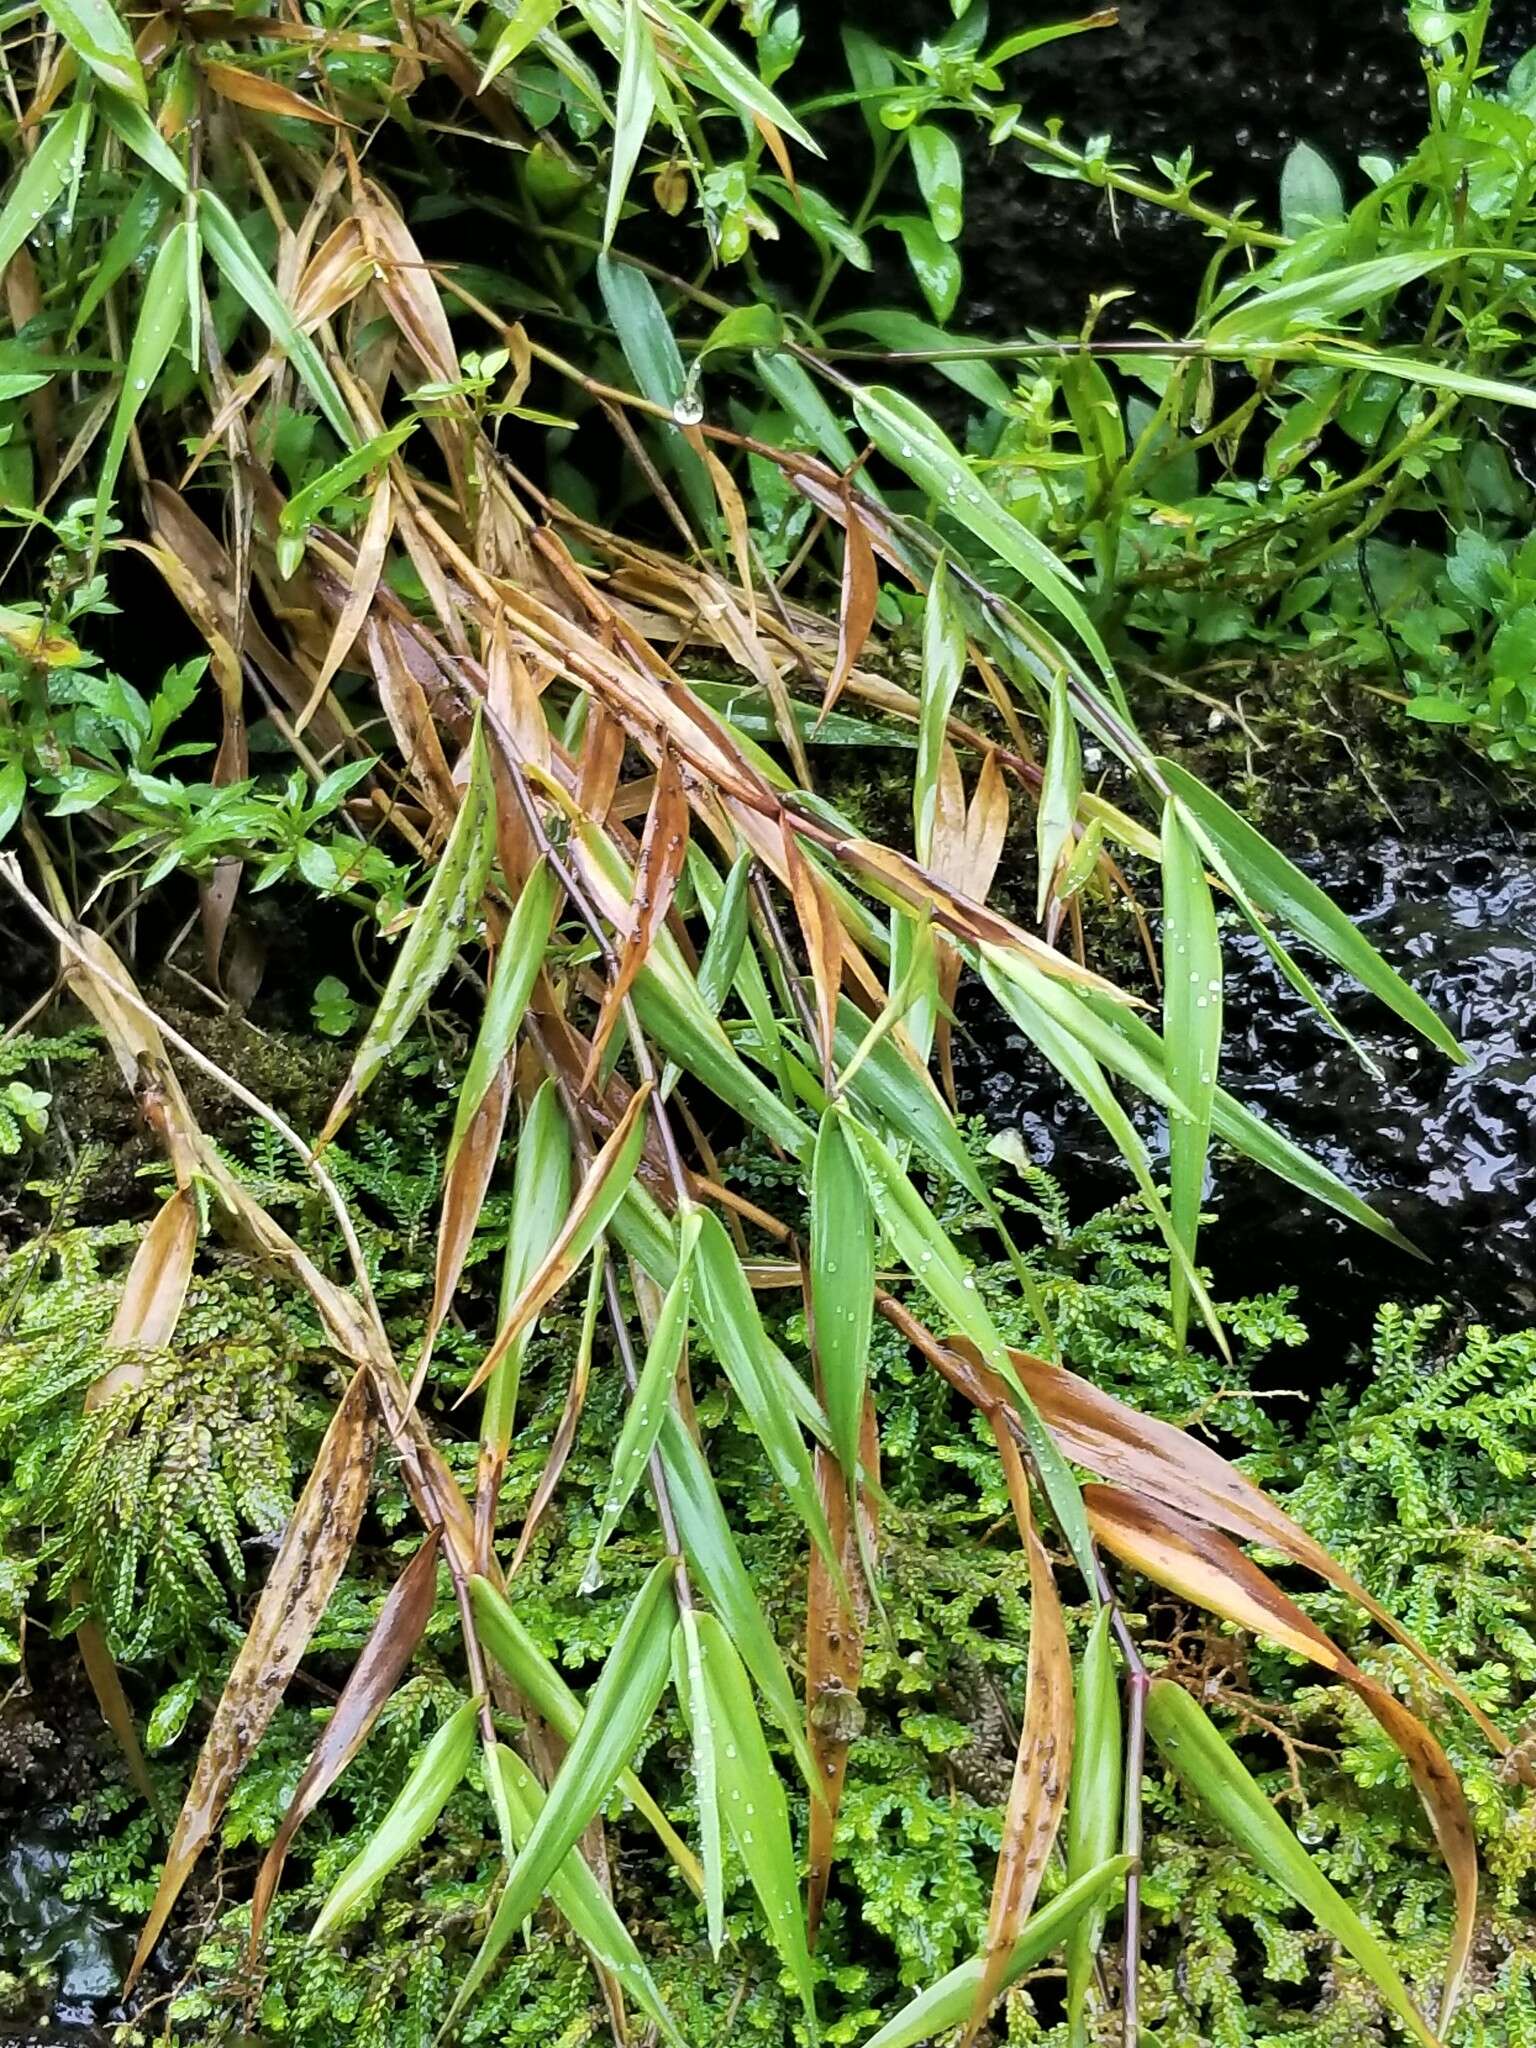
[907, 437]
[1060, 793]
[729, 1316]
[162, 313]
[688, 1681]
[517, 966]
[545, 1689]
[633, 108]
[445, 920]
[725, 73]
[98, 34]
[47, 174]
[128, 120]
[925, 1249]
[578, 1895]
[948, 2004]
[1245, 1813]
[842, 1286]
[618, 1713]
[1192, 978]
[409, 1820]
[236, 260]
[649, 1402]
[752, 1799]
[1093, 1808]
[1277, 886]
[716, 1562]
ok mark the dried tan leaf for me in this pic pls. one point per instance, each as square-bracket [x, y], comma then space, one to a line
[1043, 1767]
[860, 595]
[264, 95]
[1167, 1464]
[834, 1654]
[361, 590]
[152, 1296]
[822, 930]
[311, 1558]
[663, 848]
[464, 1192]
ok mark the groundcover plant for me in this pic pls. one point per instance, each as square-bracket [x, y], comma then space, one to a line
[544, 602]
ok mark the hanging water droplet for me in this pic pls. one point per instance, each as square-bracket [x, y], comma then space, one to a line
[689, 408]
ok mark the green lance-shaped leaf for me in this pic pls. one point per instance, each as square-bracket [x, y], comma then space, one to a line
[1275, 885]
[1227, 1790]
[633, 107]
[133, 126]
[161, 314]
[1268, 311]
[618, 1714]
[648, 1403]
[943, 666]
[131, 237]
[541, 1196]
[688, 1681]
[726, 906]
[721, 958]
[1191, 1036]
[517, 967]
[887, 1086]
[926, 1251]
[98, 34]
[842, 1286]
[425, 1793]
[775, 1400]
[578, 1895]
[528, 22]
[716, 1563]
[724, 73]
[236, 260]
[1238, 1127]
[316, 498]
[751, 1796]
[1060, 792]
[788, 381]
[543, 1687]
[445, 920]
[947, 2004]
[49, 170]
[1059, 1033]
[907, 437]
[656, 363]
[1093, 1808]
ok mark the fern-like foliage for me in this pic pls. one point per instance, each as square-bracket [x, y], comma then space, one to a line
[149, 1500]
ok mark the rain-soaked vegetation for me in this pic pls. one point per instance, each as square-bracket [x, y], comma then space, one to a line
[765, 1119]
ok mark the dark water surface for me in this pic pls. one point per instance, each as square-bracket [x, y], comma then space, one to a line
[1448, 1153]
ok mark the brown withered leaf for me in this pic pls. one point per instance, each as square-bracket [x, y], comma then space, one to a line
[401, 670]
[152, 1295]
[1206, 1568]
[265, 95]
[311, 1558]
[361, 588]
[1038, 1796]
[822, 930]
[406, 287]
[834, 1655]
[663, 849]
[464, 1191]
[390, 1646]
[1167, 1464]
[856, 612]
